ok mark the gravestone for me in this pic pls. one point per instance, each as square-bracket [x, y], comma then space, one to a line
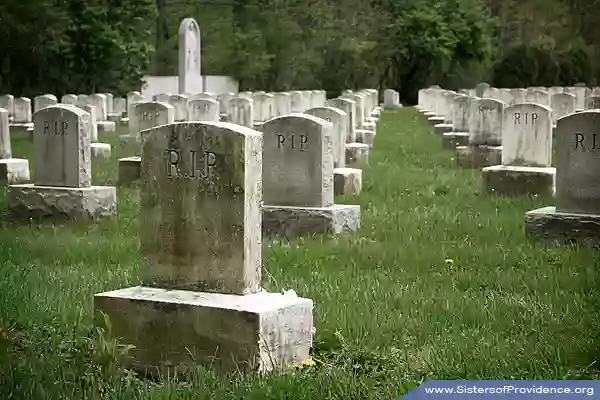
[12, 170]
[22, 120]
[592, 102]
[201, 302]
[180, 105]
[296, 102]
[161, 97]
[581, 93]
[298, 182]
[43, 101]
[391, 99]
[7, 103]
[98, 150]
[359, 108]
[526, 153]
[263, 105]
[202, 96]
[190, 79]
[203, 110]
[283, 104]
[481, 88]
[445, 110]
[224, 99]
[576, 216]
[562, 104]
[101, 103]
[346, 181]
[518, 95]
[485, 135]
[70, 99]
[120, 106]
[62, 185]
[132, 99]
[460, 123]
[241, 111]
[537, 96]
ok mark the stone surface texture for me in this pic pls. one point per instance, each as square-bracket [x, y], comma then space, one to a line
[347, 181]
[508, 180]
[549, 223]
[452, 140]
[478, 156]
[14, 170]
[130, 170]
[357, 155]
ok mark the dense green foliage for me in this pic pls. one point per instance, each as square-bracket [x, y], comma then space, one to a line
[107, 45]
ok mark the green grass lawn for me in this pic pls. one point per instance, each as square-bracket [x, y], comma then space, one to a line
[439, 283]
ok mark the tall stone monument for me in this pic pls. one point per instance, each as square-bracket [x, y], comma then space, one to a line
[190, 79]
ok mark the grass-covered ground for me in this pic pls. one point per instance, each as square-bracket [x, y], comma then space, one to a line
[440, 282]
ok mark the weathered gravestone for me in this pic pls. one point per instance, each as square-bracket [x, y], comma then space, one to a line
[485, 135]
[283, 104]
[22, 118]
[144, 116]
[296, 102]
[481, 88]
[518, 95]
[7, 102]
[562, 104]
[190, 79]
[241, 111]
[526, 153]
[224, 99]
[12, 170]
[161, 97]
[577, 212]
[357, 154]
[391, 99]
[43, 101]
[70, 99]
[263, 105]
[460, 123]
[62, 187]
[180, 106]
[345, 180]
[446, 105]
[581, 93]
[98, 150]
[592, 102]
[203, 110]
[298, 182]
[537, 96]
[132, 99]
[100, 101]
[201, 302]
[438, 102]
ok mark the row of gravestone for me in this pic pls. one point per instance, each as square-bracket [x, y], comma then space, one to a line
[208, 191]
[354, 116]
[514, 145]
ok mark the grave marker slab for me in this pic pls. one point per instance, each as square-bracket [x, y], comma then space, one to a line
[12, 170]
[298, 179]
[241, 111]
[202, 184]
[62, 187]
[190, 79]
[203, 110]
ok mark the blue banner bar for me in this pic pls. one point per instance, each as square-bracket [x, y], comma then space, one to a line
[513, 390]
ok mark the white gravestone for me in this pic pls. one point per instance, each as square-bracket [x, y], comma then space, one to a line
[283, 104]
[576, 215]
[180, 104]
[298, 179]
[562, 104]
[62, 187]
[12, 170]
[241, 111]
[201, 254]
[203, 110]
[44, 101]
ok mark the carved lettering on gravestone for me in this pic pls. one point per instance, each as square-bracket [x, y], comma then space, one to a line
[149, 116]
[57, 128]
[182, 166]
[579, 142]
[528, 118]
[296, 143]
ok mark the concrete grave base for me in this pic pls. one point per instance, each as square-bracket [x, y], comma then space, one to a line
[509, 180]
[290, 222]
[175, 330]
[61, 203]
[114, 117]
[551, 224]
[130, 170]
[21, 127]
[478, 156]
[106, 126]
[433, 121]
[14, 170]
[440, 129]
[100, 150]
[452, 140]
[347, 181]
[428, 114]
[357, 154]
[124, 121]
[365, 136]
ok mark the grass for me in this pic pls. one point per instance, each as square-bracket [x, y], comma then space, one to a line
[439, 283]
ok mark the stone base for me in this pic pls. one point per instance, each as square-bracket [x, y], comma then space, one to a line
[100, 150]
[452, 140]
[357, 154]
[290, 222]
[114, 117]
[14, 170]
[21, 127]
[551, 224]
[106, 126]
[508, 180]
[174, 330]
[365, 136]
[392, 106]
[124, 121]
[478, 156]
[30, 201]
[433, 121]
[130, 170]
[440, 129]
[428, 114]
[347, 181]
